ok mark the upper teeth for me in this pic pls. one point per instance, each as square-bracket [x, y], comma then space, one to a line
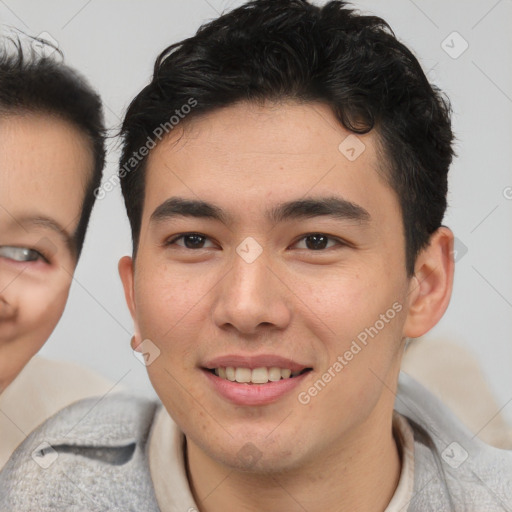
[254, 376]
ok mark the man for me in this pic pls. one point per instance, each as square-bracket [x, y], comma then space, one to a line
[285, 177]
[51, 160]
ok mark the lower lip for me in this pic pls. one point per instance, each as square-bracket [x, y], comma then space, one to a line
[254, 394]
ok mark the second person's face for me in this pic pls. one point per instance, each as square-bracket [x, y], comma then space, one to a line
[45, 163]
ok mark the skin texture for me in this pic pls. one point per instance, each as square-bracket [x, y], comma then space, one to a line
[337, 451]
[44, 165]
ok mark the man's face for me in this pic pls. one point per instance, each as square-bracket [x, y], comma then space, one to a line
[266, 245]
[44, 165]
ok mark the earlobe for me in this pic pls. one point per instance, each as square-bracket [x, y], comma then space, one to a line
[431, 286]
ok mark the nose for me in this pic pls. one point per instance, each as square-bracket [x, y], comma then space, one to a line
[6, 310]
[251, 297]
[8, 294]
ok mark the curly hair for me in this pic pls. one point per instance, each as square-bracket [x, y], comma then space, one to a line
[291, 49]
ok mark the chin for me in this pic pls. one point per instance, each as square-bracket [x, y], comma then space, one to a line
[256, 454]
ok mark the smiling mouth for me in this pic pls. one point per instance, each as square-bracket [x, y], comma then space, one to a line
[262, 375]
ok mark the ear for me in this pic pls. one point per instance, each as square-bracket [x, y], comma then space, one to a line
[125, 268]
[431, 286]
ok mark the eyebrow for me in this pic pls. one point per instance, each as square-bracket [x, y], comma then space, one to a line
[326, 206]
[178, 207]
[53, 225]
[335, 207]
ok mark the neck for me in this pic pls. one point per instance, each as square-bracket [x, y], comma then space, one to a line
[361, 474]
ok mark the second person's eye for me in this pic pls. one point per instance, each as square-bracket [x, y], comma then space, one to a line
[22, 254]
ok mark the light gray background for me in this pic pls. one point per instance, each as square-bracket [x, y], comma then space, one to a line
[114, 44]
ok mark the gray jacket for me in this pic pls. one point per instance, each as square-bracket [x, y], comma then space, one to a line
[453, 470]
[92, 456]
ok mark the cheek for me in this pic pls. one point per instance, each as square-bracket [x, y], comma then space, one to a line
[173, 310]
[357, 317]
[341, 302]
[38, 309]
[41, 307]
[171, 303]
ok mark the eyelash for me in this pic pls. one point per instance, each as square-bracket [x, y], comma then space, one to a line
[339, 242]
[174, 239]
[329, 238]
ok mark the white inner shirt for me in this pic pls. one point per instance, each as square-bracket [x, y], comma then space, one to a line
[167, 465]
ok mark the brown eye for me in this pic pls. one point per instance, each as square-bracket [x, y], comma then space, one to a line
[192, 241]
[316, 242]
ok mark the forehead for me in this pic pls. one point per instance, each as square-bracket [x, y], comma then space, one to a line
[257, 154]
[45, 163]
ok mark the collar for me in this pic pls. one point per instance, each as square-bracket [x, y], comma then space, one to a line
[168, 467]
